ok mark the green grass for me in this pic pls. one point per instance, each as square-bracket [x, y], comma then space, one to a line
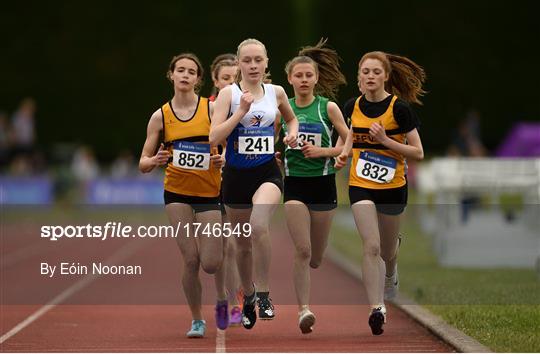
[498, 307]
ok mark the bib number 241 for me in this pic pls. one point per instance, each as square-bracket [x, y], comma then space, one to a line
[257, 141]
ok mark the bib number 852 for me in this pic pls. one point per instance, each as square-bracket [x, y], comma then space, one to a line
[190, 160]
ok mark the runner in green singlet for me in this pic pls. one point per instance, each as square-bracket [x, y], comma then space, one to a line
[310, 187]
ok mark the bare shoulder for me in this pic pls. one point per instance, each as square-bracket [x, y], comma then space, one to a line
[158, 114]
[332, 108]
[156, 119]
[226, 91]
[279, 90]
[281, 95]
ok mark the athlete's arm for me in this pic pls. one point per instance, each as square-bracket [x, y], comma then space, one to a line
[148, 160]
[221, 127]
[277, 126]
[288, 116]
[412, 150]
[341, 160]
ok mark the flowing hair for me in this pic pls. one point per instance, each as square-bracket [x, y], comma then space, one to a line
[405, 77]
[326, 62]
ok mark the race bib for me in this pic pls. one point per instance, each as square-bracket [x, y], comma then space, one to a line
[256, 141]
[310, 132]
[375, 167]
[191, 156]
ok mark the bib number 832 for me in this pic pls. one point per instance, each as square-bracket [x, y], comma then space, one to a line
[376, 172]
[376, 168]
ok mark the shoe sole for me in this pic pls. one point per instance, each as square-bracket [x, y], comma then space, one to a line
[195, 336]
[376, 321]
[306, 323]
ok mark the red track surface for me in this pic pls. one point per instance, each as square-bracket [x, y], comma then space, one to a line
[148, 313]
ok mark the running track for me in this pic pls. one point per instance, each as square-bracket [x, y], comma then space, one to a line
[148, 313]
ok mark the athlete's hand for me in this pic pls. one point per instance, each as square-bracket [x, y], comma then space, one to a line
[377, 132]
[291, 140]
[341, 161]
[162, 156]
[217, 160]
[311, 151]
[277, 156]
[246, 100]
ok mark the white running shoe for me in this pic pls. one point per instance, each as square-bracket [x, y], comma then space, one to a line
[306, 321]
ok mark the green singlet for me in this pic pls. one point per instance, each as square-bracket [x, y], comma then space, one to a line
[315, 127]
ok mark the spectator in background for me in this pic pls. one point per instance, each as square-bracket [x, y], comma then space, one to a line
[124, 166]
[84, 166]
[467, 141]
[23, 127]
[5, 138]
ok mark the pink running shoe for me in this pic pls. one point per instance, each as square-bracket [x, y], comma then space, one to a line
[236, 316]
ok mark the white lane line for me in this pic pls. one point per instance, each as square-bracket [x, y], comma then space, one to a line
[120, 255]
[220, 341]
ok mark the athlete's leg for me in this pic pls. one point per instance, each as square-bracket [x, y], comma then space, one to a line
[321, 222]
[211, 245]
[191, 284]
[389, 231]
[298, 223]
[244, 259]
[365, 217]
[232, 279]
[265, 201]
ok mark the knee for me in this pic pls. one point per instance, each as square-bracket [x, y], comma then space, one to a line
[258, 230]
[191, 265]
[372, 249]
[211, 267]
[243, 248]
[303, 253]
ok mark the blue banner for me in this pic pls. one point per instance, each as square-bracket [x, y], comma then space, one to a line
[26, 190]
[125, 191]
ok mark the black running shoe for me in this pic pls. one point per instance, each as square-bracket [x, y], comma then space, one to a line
[249, 315]
[376, 321]
[266, 309]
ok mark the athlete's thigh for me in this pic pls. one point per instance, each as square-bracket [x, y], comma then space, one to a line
[265, 201]
[209, 236]
[365, 217]
[181, 217]
[298, 223]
